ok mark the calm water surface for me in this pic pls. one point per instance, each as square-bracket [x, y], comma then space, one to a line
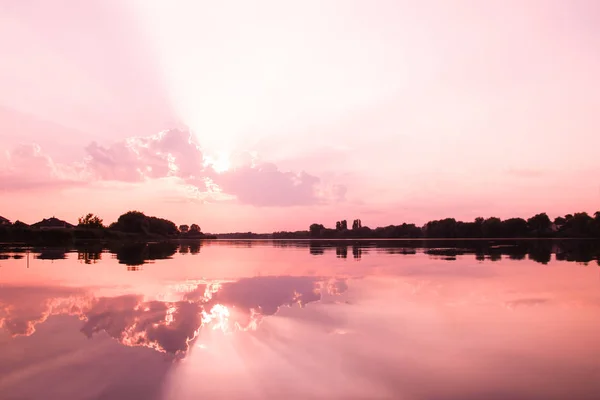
[300, 320]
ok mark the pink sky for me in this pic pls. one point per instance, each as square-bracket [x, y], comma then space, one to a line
[271, 115]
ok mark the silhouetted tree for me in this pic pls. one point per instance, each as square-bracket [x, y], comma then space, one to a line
[137, 222]
[492, 227]
[90, 221]
[161, 226]
[194, 228]
[315, 230]
[539, 224]
[445, 228]
[132, 222]
[580, 225]
[184, 228]
[356, 224]
[559, 222]
[341, 225]
[515, 227]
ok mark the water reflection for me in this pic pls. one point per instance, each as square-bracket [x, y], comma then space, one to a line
[141, 253]
[52, 254]
[137, 254]
[408, 319]
[583, 251]
[171, 321]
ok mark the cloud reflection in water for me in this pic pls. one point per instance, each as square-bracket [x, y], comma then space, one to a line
[165, 325]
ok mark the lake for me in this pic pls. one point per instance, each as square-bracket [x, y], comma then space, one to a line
[439, 320]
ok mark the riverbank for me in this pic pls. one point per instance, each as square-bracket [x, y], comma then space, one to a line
[73, 236]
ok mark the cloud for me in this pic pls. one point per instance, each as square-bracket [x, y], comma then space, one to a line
[266, 185]
[26, 167]
[170, 154]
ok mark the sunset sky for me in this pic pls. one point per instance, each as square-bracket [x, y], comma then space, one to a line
[272, 115]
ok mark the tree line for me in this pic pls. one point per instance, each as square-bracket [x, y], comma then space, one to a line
[578, 225]
[134, 225]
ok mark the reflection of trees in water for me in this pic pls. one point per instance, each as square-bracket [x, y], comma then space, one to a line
[317, 249]
[577, 250]
[90, 254]
[190, 247]
[518, 252]
[195, 247]
[495, 256]
[400, 250]
[89, 257]
[540, 251]
[341, 251]
[139, 253]
[585, 251]
[51, 253]
[356, 252]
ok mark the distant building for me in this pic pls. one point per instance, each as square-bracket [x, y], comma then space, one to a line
[52, 223]
[4, 221]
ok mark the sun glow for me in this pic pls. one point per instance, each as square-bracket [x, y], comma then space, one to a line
[220, 163]
[218, 316]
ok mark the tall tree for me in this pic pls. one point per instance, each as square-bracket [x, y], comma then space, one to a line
[316, 229]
